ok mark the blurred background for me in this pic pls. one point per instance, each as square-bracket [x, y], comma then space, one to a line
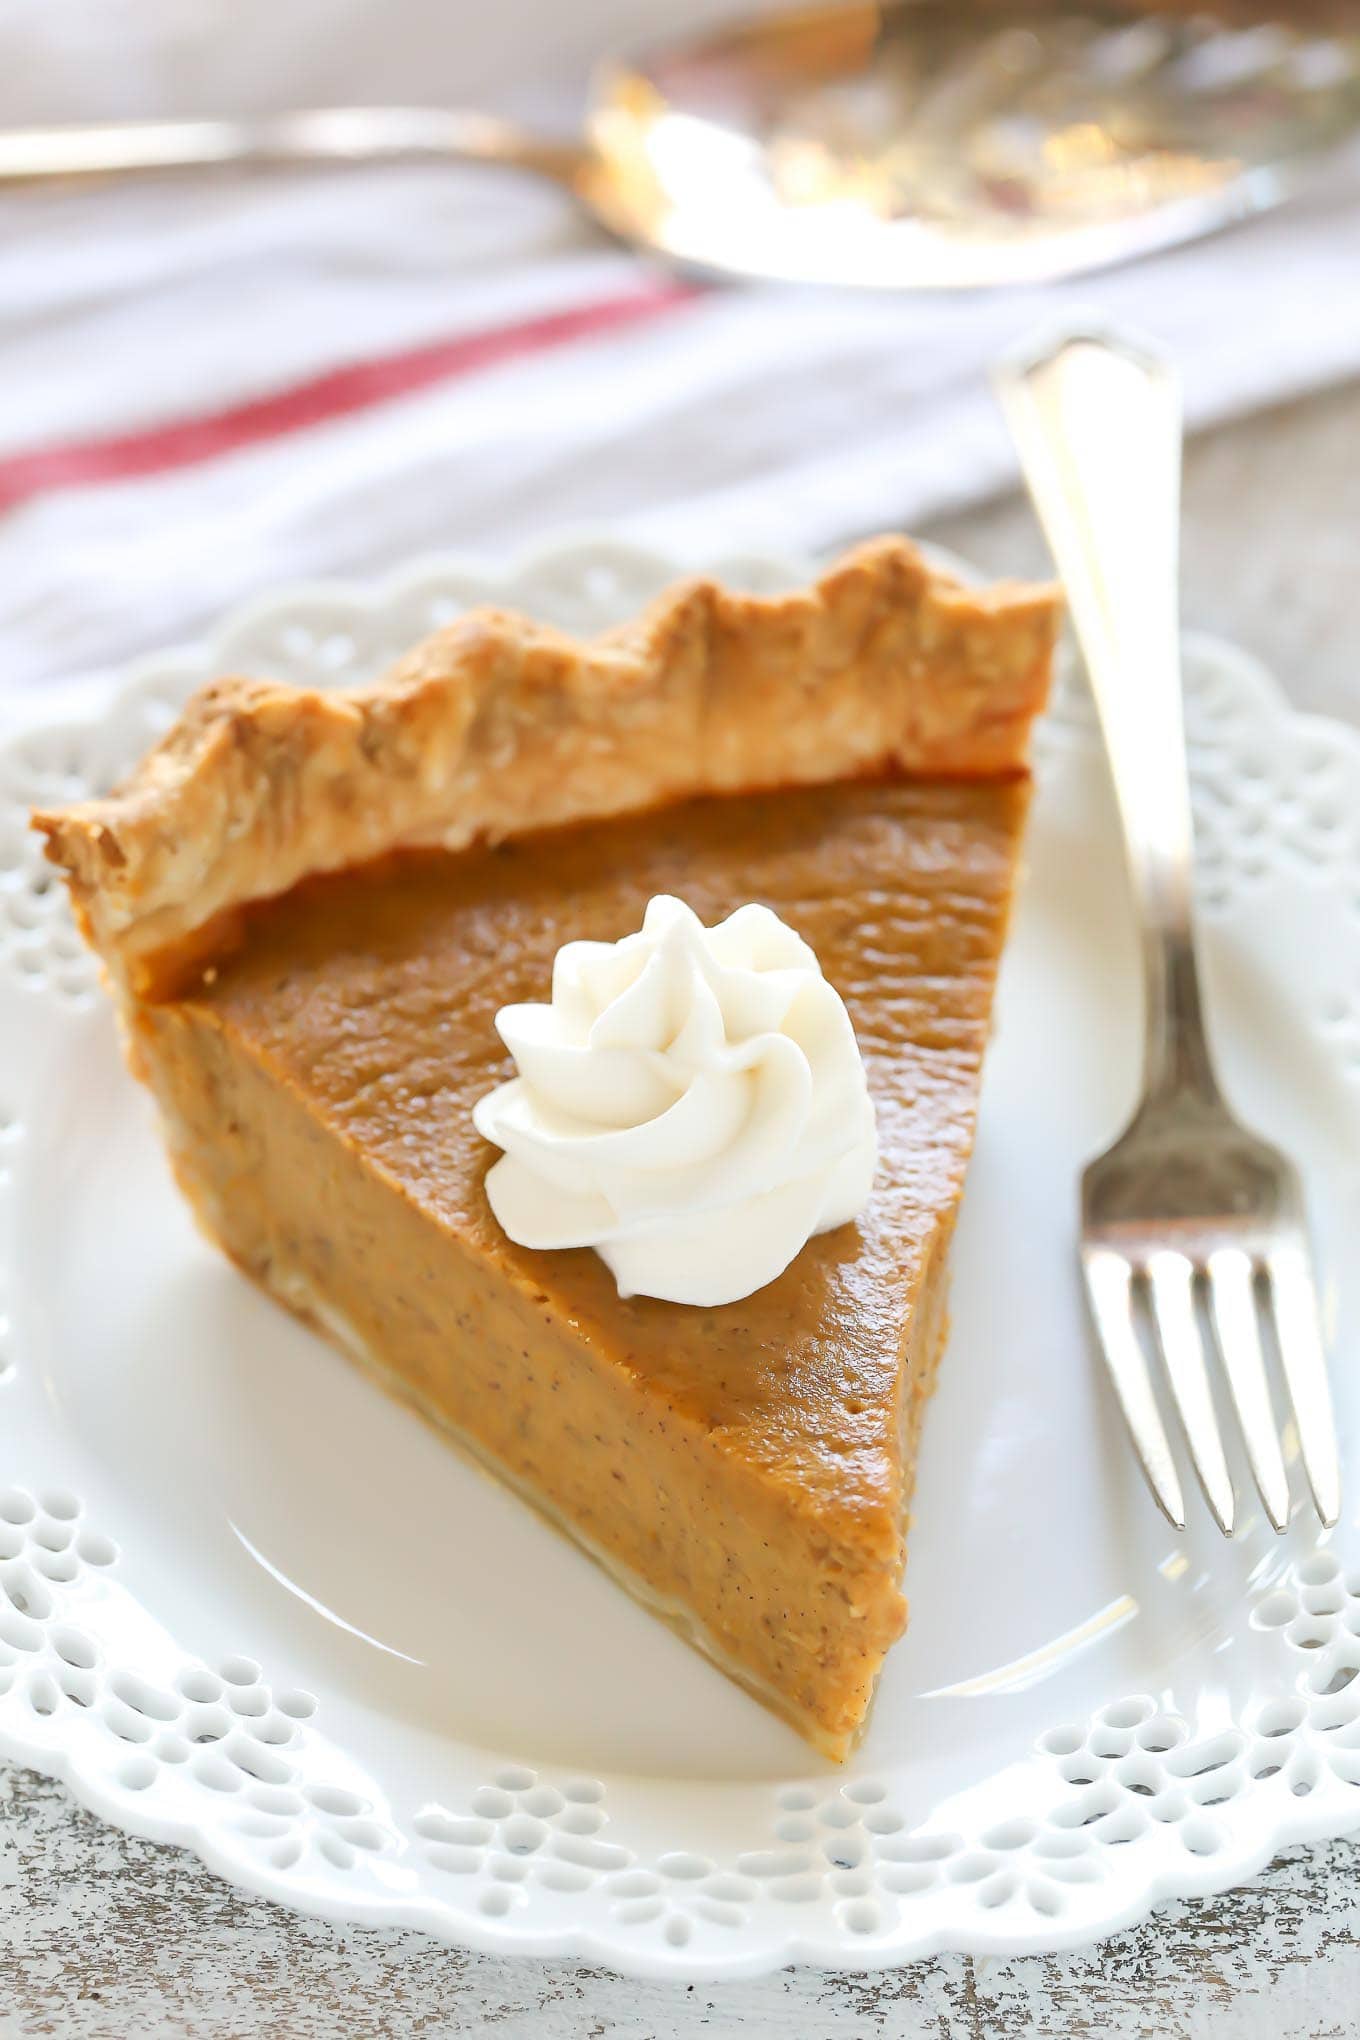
[93, 59]
[213, 385]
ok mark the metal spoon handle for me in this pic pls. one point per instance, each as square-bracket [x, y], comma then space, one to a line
[328, 135]
[1097, 423]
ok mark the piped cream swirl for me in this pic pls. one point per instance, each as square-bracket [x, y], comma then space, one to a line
[691, 1103]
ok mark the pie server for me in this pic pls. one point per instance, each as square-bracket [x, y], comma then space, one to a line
[915, 144]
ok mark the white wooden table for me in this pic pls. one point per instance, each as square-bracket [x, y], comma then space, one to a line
[107, 1938]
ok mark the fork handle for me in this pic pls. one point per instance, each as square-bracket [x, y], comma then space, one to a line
[1096, 420]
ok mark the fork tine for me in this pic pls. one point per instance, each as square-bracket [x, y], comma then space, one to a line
[1109, 1285]
[1171, 1292]
[1293, 1301]
[1232, 1306]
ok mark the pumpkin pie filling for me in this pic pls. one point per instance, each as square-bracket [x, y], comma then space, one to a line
[317, 1054]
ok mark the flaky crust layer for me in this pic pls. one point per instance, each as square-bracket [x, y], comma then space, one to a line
[497, 726]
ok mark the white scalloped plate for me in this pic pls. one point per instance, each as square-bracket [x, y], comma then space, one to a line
[461, 1725]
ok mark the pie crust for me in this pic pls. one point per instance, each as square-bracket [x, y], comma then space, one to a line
[496, 726]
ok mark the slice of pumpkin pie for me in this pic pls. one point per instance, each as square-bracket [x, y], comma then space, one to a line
[586, 1038]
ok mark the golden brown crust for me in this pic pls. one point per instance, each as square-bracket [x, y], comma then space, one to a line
[496, 726]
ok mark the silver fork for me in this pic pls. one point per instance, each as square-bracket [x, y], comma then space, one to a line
[1189, 1218]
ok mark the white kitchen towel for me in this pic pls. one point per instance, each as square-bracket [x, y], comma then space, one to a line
[209, 389]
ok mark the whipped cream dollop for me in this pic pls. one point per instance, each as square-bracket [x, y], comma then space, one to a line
[691, 1103]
